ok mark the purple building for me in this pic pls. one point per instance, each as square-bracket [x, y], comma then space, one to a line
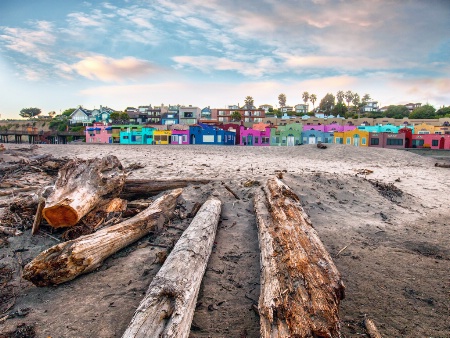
[179, 137]
[252, 137]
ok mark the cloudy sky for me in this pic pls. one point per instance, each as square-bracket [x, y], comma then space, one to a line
[58, 54]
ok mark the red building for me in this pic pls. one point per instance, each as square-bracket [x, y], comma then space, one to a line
[432, 141]
[387, 140]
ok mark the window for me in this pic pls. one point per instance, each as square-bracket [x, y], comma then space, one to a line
[265, 140]
[184, 138]
[175, 138]
[349, 140]
[363, 141]
[219, 138]
[394, 142]
[125, 137]
[283, 139]
[374, 141]
[256, 139]
[435, 143]
[418, 143]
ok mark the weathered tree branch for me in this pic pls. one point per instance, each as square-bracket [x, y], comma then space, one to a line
[300, 286]
[168, 308]
[65, 261]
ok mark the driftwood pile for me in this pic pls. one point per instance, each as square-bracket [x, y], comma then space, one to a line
[300, 286]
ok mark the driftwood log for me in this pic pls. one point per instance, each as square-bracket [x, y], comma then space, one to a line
[301, 287]
[80, 185]
[65, 261]
[140, 188]
[168, 308]
[442, 165]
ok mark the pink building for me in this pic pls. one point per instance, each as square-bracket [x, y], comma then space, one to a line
[433, 141]
[252, 137]
[329, 128]
[99, 133]
[179, 137]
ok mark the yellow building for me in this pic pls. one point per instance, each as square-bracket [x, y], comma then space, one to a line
[161, 136]
[424, 128]
[357, 138]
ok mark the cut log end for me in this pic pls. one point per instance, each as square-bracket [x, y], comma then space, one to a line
[59, 216]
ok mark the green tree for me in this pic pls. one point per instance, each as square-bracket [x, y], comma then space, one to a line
[339, 109]
[424, 112]
[340, 96]
[30, 112]
[443, 112]
[68, 112]
[348, 97]
[115, 116]
[305, 97]
[249, 101]
[327, 103]
[236, 116]
[313, 99]
[124, 117]
[282, 100]
[396, 112]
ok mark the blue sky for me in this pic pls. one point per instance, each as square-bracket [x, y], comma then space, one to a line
[60, 54]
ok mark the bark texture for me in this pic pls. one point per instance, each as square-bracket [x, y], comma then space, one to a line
[65, 261]
[301, 287]
[80, 185]
[168, 308]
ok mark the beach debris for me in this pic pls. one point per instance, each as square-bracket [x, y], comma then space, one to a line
[364, 172]
[442, 165]
[135, 166]
[320, 145]
[251, 183]
[38, 216]
[342, 250]
[143, 188]
[80, 186]
[387, 190]
[65, 261]
[230, 190]
[301, 287]
[371, 328]
[194, 210]
[169, 305]
[10, 231]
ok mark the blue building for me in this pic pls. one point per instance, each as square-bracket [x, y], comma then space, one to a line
[316, 136]
[136, 135]
[204, 134]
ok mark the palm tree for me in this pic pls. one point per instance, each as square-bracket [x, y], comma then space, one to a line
[348, 97]
[249, 101]
[313, 99]
[305, 97]
[340, 96]
[282, 100]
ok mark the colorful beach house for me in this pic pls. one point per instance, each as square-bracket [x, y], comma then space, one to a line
[356, 137]
[424, 129]
[161, 136]
[287, 135]
[254, 137]
[432, 141]
[180, 137]
[388, 140]
[315, 136]
[99, 133]
[136, 134]
[386, 128]
[205, 134]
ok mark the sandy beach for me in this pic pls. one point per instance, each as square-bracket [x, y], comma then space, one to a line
[394, 254]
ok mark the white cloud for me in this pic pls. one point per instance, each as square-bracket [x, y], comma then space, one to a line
[99, 67]
[35, 43]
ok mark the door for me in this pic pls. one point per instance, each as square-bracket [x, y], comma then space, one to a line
[290, 140]
[356, 140]
[180, 139]
[441, 143]
[250, 140]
